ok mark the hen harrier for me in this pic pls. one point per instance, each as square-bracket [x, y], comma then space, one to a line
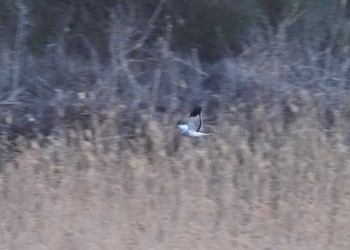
[194, 124]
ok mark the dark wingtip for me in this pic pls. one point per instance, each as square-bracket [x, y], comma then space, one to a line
[196, 110]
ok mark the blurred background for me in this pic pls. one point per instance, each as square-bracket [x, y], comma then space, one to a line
[90, 93]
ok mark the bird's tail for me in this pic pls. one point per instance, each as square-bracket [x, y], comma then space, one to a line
[200, 134]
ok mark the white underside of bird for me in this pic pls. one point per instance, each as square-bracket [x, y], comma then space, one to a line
[188, 132]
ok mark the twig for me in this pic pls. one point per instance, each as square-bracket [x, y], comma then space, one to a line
[190, 66]
[164, 43]
[149, 25]
[19, 43]
[223, 41]
[10, 103]
[14, 94]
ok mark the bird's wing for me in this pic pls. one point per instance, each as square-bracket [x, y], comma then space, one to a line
[195, 121]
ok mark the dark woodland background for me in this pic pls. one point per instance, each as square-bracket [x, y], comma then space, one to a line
[90, 93]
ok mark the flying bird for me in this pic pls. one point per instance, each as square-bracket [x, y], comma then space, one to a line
[193, 125]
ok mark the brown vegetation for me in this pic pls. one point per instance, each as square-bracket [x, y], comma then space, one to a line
[90, 157]
[287, 188]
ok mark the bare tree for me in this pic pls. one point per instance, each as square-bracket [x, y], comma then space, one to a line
[20, 49]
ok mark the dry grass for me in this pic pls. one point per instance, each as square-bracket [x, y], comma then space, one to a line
[286, 188]
[276, 175]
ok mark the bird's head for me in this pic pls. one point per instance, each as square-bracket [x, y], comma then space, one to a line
[180, 122]
[182, 125]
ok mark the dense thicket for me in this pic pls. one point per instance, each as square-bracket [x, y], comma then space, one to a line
[58, 54]
[207, 25]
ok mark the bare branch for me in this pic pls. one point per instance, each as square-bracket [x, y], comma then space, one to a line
[19, 43]
[150, 24]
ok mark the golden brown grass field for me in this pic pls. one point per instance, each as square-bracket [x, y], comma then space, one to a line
[90, 94]
[264, 181]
